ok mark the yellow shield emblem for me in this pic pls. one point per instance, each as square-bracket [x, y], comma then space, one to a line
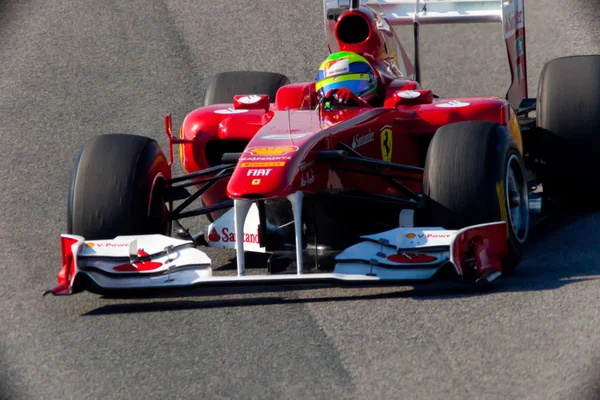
[386, 143]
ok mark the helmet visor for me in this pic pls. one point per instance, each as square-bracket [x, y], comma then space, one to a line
[359, 84]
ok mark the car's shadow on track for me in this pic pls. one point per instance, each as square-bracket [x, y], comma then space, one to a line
[548, 265]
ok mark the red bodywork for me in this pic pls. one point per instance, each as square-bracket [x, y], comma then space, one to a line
[280, 139]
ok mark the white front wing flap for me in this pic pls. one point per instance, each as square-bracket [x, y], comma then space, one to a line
[401, 255]
[130, 262]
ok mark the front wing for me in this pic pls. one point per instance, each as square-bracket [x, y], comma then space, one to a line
[127, 264]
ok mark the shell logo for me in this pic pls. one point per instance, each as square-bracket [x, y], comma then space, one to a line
[412, 258]
[272, 151]
[410, 235]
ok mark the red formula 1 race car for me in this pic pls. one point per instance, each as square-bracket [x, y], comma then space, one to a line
[361, 176]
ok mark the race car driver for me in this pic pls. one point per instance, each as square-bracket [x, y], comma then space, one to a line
[346, 79]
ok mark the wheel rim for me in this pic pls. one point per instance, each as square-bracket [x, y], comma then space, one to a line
[517, 199]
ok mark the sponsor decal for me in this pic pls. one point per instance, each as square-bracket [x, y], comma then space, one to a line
[105, 245]
[259, 172]
[213, 236]
[256, 182]
[270, 158]
[431, 238]
[360, 140]
[227, 236]
[337, 67]
[262, 164]
[249, 99]
[412, 258]
[307, 178]
[427, 235]
[283, 136]
[453, 104]
[386, 143]
[272, 151]
[139, 266]
[230, 110]
[409, 94]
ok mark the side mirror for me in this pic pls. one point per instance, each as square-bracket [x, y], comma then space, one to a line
[251, 102]
[409, 98]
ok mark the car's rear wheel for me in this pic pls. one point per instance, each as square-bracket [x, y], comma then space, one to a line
[475, 174]
[568, 128]
[222, 87]
[115, 188]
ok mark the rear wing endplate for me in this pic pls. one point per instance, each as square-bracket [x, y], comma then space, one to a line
[509, 13]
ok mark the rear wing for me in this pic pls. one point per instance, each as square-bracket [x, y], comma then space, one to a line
[509, 13]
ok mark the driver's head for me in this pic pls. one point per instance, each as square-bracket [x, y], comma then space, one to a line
[347, 70]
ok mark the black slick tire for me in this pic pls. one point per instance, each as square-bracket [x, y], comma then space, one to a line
[221, 88]
[114, 188]
[466, 182]
[568, 128]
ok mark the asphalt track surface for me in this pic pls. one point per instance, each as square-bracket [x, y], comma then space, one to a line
[73, 69]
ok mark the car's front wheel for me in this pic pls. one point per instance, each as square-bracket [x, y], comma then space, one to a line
[115, 188]
[475, 174]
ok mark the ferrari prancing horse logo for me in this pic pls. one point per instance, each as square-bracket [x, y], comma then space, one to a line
[386, 143]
